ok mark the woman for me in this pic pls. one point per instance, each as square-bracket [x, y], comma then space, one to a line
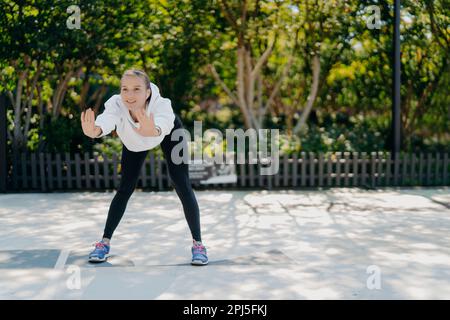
[143, 120]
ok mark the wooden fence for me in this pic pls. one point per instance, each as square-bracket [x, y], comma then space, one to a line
[48, 172]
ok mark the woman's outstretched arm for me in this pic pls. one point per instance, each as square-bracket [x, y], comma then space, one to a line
[109, 119]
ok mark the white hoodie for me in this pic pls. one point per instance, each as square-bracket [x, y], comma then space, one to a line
[117, 115]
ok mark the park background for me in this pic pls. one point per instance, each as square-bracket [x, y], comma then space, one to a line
[319, 71]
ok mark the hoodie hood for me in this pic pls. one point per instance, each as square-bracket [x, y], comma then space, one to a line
[153, 98]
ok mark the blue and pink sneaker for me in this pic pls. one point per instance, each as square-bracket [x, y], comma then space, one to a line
[100, 253]
[199, 256]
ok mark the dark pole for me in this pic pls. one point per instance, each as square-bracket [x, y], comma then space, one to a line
[397, 81]
[3, 159]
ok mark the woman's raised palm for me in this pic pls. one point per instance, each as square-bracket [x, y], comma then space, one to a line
[88, 124]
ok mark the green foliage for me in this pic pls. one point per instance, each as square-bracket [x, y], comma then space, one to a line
[65, 135]
[175, 41]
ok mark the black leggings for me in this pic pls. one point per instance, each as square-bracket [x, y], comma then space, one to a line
[131, 163]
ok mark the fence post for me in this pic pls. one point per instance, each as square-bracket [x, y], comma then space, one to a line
[346, 168]
[3, 139]
[87, 170]
[329, 168]
[42, 172]
[363, 169]
[428, 166]
[23, 173]
[105, 170]
[436, 169]
[373, 169]
[355, 159]
[49, 171]
[294, 170]
[34, 177]
[312, 171]
[338, 168]
[303, 169]
[321, 164]
[59, 171]
[444, 173]
[96, 172]
[69, 170]
[396, 168]
[404, 163]
[78, 170]
[413, 170]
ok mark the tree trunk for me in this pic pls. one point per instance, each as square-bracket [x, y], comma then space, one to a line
[312, 96]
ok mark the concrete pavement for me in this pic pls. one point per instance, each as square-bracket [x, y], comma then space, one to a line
[320, 244]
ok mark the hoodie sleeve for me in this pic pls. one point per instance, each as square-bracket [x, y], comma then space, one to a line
[110, 117]
[164, 116]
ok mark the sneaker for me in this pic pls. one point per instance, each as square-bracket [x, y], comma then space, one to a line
[199, 256]
[100, 253]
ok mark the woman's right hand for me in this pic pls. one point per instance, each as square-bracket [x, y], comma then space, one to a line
[88, 124]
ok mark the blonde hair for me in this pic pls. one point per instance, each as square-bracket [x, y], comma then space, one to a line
[140, 74]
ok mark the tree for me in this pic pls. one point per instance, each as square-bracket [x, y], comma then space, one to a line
[254, 40]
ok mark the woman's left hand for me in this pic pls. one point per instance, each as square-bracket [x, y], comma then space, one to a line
[146, 124]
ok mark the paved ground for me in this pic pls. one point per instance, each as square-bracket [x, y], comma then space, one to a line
[332, 244]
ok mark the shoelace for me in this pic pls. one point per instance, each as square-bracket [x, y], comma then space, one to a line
[199, 249]
[99, 245]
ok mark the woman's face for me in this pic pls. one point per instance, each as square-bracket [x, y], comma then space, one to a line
[133, 92]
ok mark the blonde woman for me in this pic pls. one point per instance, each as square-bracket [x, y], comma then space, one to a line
[143, 120]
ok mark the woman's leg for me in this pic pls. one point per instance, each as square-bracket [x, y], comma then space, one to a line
[179, 175]
[131, 164]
